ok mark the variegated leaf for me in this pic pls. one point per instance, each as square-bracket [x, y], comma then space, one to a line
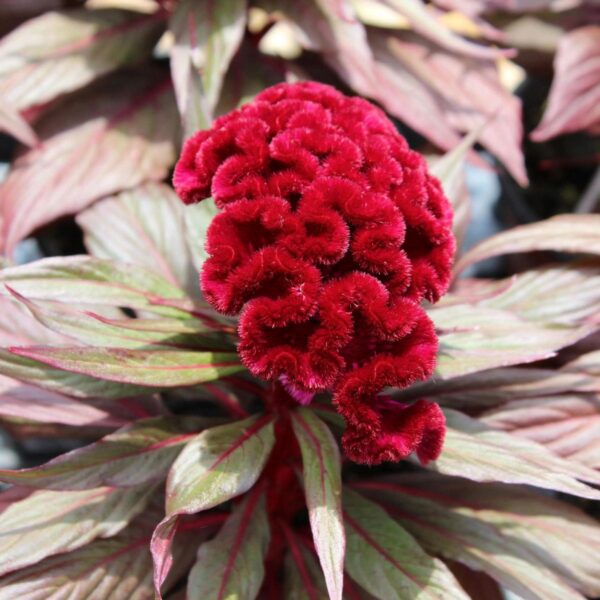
[62, 51]
[87, 280]
[564, 233]
[14, 124]
[475, 338]
[387, 561]
[134, 455]
[475, 451]
[151, 368]
[207, 35]
[215, 466]
[232, 564]
[520, 538]
[144, 226]
[28, 402]
[568, 424]
[94, 144]
[574, 101]
[48, 522]
[119, 568]
[321, 467]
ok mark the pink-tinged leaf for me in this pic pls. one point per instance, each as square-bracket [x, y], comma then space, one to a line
[214, 467]
[466, 92]
[450, 170]
[475, 7]
[134, 455]
[579, 234]
[497, 386]
[14, 124]
[162, 555]
[475, 338]
[522, 539]
[477, 452]
[63, 382]
[431, 90]
[232, 564]
[119, 568]
[28, 402]
[59, 52]
[93, 330]
[11, 495]
[207, 35]
[47, 522]
[19, 327]
[344, 45]
[574, 101]
[94, 144]
[387, 561]
[321, 467]
[424, 21]
[145, 226]
[574, 289]
[151, 368]
[79, 280]
[568, 425]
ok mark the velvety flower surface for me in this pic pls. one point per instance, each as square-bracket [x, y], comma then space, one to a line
[331, 233]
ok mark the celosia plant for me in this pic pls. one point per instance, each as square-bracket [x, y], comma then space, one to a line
[331, 234]
[285, 387]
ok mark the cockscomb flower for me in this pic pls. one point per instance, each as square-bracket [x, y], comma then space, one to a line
[331, 233]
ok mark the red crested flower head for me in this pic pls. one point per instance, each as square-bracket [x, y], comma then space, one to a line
[331, 233]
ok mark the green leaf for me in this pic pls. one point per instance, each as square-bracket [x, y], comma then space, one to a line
[474, 451]
[214, 467]
[525, 541]
[232, 564]
[384, 559]
[88, 280]
[207, 35]
[476, 338]
[150, 368]
[59, 52]
[564, 233]
[134, 455]
[48, 522]
[323, 487]
[219, 464]
[144, 226]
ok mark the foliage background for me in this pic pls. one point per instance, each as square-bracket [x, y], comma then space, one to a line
[109, 349]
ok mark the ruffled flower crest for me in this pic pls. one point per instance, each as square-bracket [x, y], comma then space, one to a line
[331, 234]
